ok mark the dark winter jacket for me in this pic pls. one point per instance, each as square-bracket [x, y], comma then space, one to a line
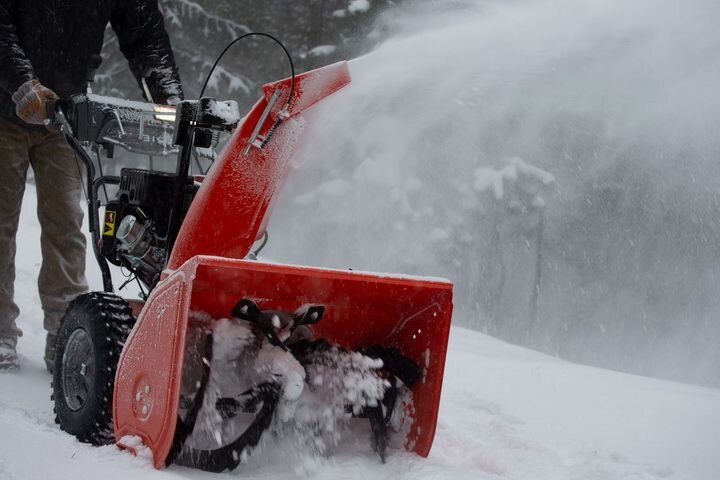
[58, 41]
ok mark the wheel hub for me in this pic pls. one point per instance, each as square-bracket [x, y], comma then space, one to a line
[78, 369]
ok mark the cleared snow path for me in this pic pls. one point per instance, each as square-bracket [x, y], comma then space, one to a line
[507, 413]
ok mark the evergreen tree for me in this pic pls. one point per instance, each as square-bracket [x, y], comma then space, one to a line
[316, 33]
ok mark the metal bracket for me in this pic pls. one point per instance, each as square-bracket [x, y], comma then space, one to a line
[257, 140]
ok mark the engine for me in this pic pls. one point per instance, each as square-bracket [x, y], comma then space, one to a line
[136, 225]
[140, 223]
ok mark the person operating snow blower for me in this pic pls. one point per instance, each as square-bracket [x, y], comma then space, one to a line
[49, 50]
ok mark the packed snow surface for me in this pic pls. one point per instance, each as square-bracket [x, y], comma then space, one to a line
[506, 413]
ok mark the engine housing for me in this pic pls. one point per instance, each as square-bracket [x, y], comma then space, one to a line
[142, 207]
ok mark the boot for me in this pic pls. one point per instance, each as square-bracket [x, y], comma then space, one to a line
[8, 355]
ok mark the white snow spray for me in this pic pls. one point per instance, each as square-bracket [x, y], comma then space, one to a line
[616, 99]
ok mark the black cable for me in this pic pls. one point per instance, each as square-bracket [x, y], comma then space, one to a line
[125, 273]
[197, 163]
[265, 238]
[97, 154]
[242, 37]
[126, 282]
[143, 294]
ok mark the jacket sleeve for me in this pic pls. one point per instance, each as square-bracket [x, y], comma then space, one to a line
[16, 68]
[143, 40]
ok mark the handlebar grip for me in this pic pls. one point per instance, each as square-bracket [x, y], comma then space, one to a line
[56, 120]
[51, 117]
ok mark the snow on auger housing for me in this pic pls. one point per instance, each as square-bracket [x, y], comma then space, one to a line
[225, 348]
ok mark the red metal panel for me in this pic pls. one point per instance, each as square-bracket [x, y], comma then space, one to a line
[230, 209]
[362, 309]
[147, 382]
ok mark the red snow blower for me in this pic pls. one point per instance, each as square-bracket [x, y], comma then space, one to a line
[153, 372]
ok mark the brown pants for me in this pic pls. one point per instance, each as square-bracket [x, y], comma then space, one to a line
[59, 194]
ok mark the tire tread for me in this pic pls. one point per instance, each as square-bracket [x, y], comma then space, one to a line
[108, 319]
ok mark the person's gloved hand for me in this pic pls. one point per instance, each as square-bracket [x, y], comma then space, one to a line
[32, 100]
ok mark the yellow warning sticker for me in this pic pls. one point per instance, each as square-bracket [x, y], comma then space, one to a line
[109, 229]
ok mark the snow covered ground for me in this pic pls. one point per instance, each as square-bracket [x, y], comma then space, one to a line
[507, 413]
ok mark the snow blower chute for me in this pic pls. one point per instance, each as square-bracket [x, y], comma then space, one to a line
[212, 311]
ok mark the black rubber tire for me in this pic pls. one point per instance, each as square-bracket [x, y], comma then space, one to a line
[93, 333]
